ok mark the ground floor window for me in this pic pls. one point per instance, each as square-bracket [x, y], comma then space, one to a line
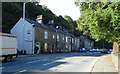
[45, 46]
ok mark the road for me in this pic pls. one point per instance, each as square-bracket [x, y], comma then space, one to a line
[63, 62]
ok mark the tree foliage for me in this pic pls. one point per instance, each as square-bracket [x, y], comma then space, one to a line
[13, 11]
[72, 25]
[100, 20]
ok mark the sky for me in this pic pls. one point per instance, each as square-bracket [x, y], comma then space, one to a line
[62, 7]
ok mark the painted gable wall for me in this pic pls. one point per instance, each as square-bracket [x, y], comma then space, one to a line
[28, 36]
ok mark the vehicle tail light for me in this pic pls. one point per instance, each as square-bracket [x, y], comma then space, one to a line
[17, 50]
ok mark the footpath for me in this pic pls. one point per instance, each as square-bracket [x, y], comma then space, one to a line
[23, 56]
[104, 65]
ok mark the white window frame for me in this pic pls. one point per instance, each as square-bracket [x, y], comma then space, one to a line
[58, 36]
[70, 39]
[66, 39]
[53, 36]
[46, 34]
[63, 38]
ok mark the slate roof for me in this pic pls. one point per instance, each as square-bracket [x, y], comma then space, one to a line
[48, 27]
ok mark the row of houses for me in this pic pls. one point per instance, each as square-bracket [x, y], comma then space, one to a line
[32, 34]
[85, 42]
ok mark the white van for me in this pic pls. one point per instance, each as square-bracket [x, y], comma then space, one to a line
[8, 46]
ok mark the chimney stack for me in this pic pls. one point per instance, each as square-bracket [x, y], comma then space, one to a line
[51, 23]
[39, 19]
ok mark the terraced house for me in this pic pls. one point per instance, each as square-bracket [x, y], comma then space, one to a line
[32, 34]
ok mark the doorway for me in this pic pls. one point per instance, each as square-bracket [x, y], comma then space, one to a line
[53, 48]
[38, 45]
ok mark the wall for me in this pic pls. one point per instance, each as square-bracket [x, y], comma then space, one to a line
[115, 47]
[60, 46]
[40, 37]
[86, 43]
[25, 41]
[115, 55]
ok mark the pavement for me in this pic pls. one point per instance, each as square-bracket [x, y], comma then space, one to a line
[104, 64]
[23, 56]
[33, 55]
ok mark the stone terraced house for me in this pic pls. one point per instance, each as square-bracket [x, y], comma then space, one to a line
[48, 39]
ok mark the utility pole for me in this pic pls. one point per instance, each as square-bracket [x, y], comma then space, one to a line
[24, 20]
[23, 24]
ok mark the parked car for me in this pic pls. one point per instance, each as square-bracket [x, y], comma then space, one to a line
[82, 50]
[100, 50]
[91, 50]
[104, 51]
[9, 47]
[94, 50]
[110, 50]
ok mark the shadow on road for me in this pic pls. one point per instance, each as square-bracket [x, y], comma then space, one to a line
[46, 61]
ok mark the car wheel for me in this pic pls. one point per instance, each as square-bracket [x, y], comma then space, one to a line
[8, 58]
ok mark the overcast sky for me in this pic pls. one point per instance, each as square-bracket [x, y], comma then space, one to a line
[62, 7]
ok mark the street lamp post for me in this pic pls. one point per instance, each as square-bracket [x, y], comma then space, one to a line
[23, 23]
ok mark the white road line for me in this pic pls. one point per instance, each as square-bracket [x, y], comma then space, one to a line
[2, 67]
[48, 63]
[32, 61]
[22, 70]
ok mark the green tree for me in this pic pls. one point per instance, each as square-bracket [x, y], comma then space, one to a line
[72, 25]
[100, 20]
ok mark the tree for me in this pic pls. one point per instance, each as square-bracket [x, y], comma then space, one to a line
[100, 20]
[73, 25]
[13, 11]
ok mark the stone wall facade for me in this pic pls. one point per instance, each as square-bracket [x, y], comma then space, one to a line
[55, 41]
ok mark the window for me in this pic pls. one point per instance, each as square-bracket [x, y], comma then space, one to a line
[46, 34]
[53, 36]
[29, 32]
[63, 38]
[70, 39]
[45, 46]
[66, 46]
[57, 37]
[66, 39]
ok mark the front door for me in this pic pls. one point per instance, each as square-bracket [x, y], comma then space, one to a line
[38, 45]
[53, 48]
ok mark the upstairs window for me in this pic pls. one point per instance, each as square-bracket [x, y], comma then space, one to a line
[72, 40]
[66, 39]
[53, 36]
[46, 34]
[58, 37]
[63, 38]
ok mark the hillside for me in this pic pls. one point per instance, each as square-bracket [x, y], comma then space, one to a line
[12, 12]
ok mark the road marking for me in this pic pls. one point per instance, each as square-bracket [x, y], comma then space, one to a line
[22, 70]
[2, 67]
[32, 61]
[48, 63]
